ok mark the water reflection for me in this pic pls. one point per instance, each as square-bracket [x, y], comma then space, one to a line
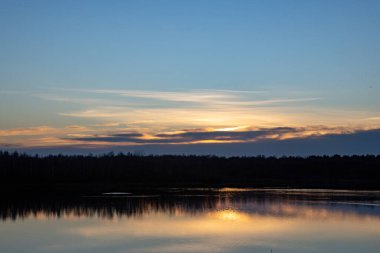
[200, 221]
[270, 202]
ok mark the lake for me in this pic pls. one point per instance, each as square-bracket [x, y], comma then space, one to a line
[194, 220]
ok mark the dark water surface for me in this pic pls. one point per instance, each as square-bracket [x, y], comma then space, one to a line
[196, 220]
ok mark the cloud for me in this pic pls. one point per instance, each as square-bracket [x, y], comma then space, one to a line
[373, 118]
[206, 97]
[175, 110]
[227, 135]
[26, 131]
[42, 130]
[210, 136]
[125, 137]
[116, 118]
[182, 109]
[42, 135]
[354, 143]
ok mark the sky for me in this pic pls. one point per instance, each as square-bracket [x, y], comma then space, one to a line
[190, 77]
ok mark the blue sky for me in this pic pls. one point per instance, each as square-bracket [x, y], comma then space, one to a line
[75, 69]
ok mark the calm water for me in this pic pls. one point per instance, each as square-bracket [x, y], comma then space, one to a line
[174, 220]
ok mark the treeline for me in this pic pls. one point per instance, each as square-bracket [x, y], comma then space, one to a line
[118, 171]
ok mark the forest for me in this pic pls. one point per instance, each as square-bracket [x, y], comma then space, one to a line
[115, 172]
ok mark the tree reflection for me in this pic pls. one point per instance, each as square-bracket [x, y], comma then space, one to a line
[274, 203]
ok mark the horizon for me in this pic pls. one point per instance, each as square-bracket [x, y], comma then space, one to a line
[245, 78]
[139, 153]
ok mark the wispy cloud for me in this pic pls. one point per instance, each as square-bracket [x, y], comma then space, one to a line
[201, 97]
[138, 117]
[208, 97]
[26, 131]
[173, 110]
[373, 118]
[42, 130]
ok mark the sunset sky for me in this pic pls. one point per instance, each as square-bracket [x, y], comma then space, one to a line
[190, 77]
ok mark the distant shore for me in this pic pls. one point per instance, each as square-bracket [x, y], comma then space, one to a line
[59, 174]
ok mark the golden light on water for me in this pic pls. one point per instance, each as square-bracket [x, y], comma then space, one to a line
[228, 215]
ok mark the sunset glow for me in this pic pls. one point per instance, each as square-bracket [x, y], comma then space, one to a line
[282, 81]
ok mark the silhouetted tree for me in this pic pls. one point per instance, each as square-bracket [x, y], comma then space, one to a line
[169, 170]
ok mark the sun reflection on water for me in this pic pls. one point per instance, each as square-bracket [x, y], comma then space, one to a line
[229, 215]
